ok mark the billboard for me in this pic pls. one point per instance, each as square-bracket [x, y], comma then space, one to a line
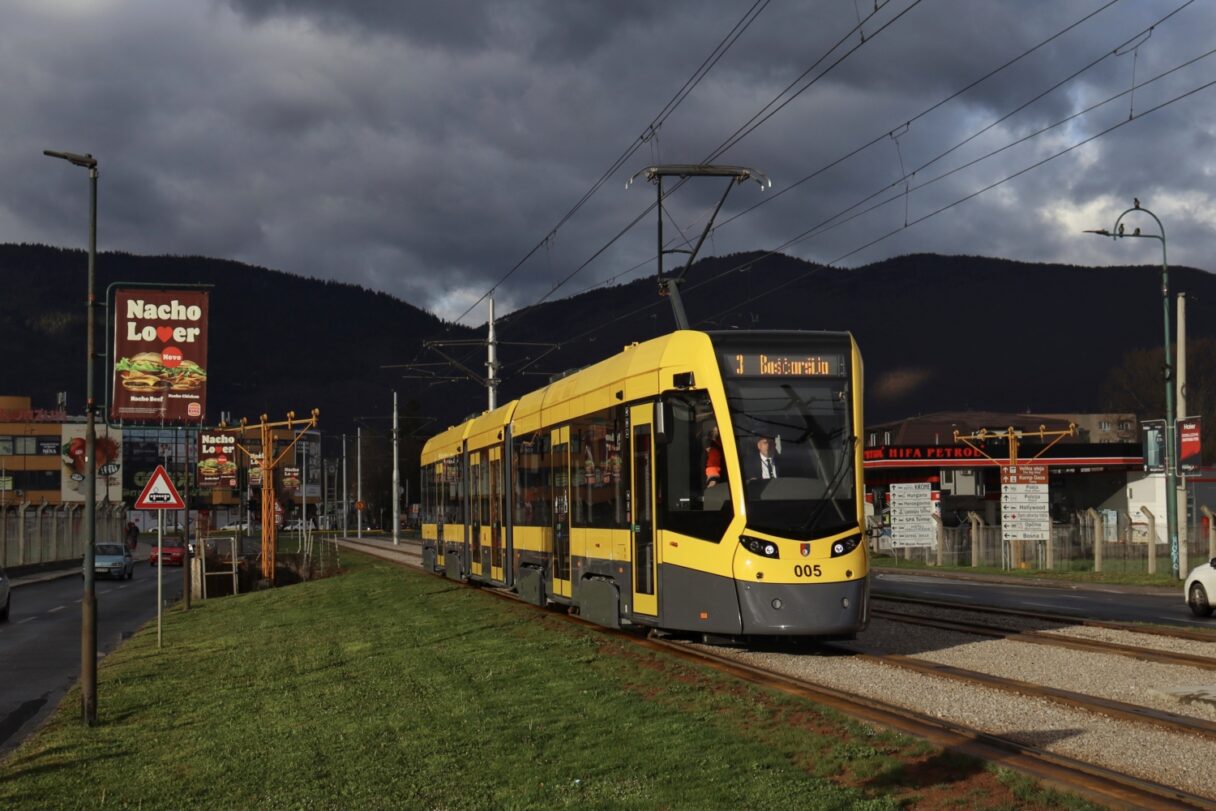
[216, 459]
[1152, 439]
[108, 463]
[1190, 458]
[160, 355]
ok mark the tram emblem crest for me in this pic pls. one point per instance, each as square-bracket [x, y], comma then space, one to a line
[805, 549]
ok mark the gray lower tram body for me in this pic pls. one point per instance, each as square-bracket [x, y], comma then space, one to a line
[688, 600]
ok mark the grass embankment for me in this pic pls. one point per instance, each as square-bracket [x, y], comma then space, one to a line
[385, 688]
[1114, 574]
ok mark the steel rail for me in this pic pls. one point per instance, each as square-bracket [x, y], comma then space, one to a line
[1048, 638]
[1069, 619]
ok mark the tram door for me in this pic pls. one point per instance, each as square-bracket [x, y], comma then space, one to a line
[496, 514]
[559, 477]
[477, 474]
[645, 567]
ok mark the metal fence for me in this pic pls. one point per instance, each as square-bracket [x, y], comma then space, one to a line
[1086, 543]
[43, 533]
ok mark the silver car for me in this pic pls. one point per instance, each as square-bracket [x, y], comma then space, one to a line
[113, 560]
[6, 596]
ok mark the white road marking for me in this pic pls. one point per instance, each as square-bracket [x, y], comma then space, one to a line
[27, 619]
[56, 608]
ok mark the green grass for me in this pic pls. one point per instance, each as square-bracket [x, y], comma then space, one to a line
[384, 688]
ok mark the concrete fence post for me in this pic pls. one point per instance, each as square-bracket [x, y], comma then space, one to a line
[69, 522]
[1152, 540]
[1098, 524]
[21, 508]
[976, 523]
[941, 540]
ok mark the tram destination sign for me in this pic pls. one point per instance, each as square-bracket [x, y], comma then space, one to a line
[784, 364]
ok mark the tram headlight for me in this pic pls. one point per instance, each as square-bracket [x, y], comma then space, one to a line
[845, 545]
[765, 549]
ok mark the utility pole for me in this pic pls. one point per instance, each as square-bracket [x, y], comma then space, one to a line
[88, 601]
[345, 489]
[491, 364]
[396, 480]
[1180, 495]
[186, 567]
[359, 482]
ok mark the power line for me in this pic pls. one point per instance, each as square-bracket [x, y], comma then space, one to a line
[879, 138]
[817, 229]
[752, 124]
[651, 130]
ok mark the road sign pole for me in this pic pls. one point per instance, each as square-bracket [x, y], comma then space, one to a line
[160, 573]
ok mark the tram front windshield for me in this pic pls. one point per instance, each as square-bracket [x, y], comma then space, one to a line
[803, 486]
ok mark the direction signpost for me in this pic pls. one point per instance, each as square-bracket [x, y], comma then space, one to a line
[159, 494]
[1025, 504]
[912, 510]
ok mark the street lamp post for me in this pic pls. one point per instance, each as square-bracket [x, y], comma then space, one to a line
[88, 604]
[1118, 231]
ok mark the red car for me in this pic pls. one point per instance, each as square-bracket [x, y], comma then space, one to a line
[174, 551]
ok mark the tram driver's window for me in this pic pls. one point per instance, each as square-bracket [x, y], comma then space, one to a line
[686, 505]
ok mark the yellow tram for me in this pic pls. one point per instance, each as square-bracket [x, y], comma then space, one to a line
[702, 481]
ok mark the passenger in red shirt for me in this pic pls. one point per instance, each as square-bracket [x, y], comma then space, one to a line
[715, 459]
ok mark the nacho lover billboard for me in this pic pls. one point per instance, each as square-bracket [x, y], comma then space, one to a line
[160, 355]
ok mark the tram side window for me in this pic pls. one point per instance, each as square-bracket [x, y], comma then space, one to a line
[599, 485]
[425, 509]
[686, 505]
[453, 511]
[532, 497]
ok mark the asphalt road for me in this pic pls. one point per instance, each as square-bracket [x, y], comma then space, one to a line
[40, 644]
[1092, 602]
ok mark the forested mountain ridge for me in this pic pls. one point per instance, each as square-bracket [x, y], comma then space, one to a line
[936, 332]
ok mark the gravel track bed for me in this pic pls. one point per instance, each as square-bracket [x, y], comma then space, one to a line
[1096, 674]
[1180, 760]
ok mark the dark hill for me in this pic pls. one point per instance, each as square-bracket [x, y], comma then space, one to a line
[937, 332]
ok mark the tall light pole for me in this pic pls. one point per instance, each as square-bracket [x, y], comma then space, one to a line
[88, 603]
[1118, 231]
[396, 479]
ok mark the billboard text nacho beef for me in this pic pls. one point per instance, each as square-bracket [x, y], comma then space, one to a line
[160, 355]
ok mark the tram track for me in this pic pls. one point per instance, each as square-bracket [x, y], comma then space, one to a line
[1097, 782]
[1140, 653]
[1041, 616]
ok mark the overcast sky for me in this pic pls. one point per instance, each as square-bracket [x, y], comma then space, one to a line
[425, 148]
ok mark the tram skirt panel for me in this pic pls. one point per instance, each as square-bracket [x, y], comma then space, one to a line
[696, 601]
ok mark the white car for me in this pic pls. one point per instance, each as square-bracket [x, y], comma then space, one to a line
[1201, 588]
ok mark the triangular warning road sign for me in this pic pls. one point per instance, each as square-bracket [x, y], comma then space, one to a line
[159, 493]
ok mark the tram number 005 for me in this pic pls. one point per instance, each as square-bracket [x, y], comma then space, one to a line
[809, 570]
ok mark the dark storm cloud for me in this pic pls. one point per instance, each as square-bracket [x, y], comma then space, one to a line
[425, 148]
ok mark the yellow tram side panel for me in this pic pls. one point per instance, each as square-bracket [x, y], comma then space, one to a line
[819, 566]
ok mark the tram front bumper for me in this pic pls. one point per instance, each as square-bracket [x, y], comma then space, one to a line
[804, 609]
